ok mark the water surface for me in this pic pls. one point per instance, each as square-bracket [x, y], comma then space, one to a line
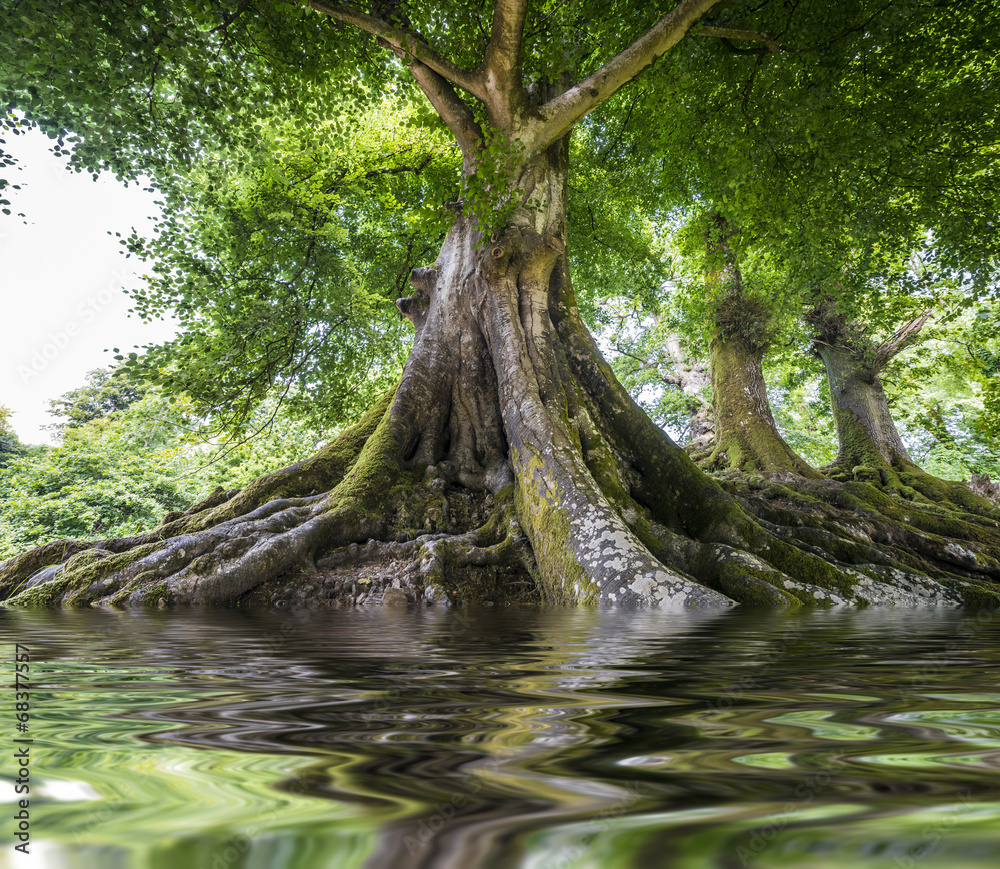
[502, 738]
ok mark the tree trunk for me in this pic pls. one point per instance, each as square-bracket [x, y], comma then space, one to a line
[866, 432]
[870, 448]
[693, 379]
[746, 434]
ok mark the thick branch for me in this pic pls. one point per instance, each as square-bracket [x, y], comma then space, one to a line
[504, 51]
[502, 62]
[559, 115]
[741, 35]
[899, 341]
[452, 109]
[406, 41]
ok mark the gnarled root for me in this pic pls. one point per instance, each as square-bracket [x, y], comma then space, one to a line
[927, 550]
[301, 542]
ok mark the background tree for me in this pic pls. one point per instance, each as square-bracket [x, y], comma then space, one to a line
[121, 471]
[10, 445]
[106, 391]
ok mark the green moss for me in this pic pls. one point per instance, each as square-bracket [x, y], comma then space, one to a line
[804, 567]
[319, 473]
[751, 587]
[373, 475]
[866, 474]
[746, 437]
[151, 593]
[88, 556]
[71, 587]
[203, 564]
[976, 596]
[549, 531]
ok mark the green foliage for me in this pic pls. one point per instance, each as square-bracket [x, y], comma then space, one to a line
[108, 477]
[107, 390]
[488, 194]
[617, 236]
[636, 343]
[10, 445]
[943, 395]
[147, 86]
[843, 147]
[283, 265]
[118, 474]
[800, 400]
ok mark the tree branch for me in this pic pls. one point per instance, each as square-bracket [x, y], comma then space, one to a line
[503, 54]
[403, 40]
[741, 35]
[236, 13]
[453, 111]
[502, 62]
[900, 340]
[559, 115]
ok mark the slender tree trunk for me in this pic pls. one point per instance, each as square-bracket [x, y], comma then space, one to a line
[869, 444]
[870, 448]
[747, 437]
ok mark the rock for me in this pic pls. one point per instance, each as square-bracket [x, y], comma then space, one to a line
[394, 597]
[434, 594]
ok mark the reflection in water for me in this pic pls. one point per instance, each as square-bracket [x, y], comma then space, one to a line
[537, 738]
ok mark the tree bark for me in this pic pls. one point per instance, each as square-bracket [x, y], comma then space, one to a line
[746, 434]
[867, 436]
[692, 378]
[747, 437]
[866, 433]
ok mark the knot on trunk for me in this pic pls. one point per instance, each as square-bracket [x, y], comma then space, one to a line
[533, 254]
[424, 280]
[413, 308]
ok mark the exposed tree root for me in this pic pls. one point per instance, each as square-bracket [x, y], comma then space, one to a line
[290, 537]
[924, 548]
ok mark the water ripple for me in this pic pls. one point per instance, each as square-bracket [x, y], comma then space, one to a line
[549, 739]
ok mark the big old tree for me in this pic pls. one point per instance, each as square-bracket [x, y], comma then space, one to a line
[508, 443]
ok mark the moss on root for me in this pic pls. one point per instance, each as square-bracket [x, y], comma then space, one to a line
[550, 533]
[71, 584]
[754, 588]
[319, 473]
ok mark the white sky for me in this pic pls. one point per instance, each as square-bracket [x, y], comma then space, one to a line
[61, 281]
